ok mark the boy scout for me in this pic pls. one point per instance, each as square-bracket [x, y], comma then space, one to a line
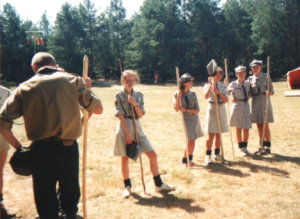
[258, 91]
[211, 126]
[240, 110]
[49, 103]
[186, 101]
[125, 131]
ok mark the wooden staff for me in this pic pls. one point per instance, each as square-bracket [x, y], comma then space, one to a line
[267, 106]
[228, 112]
[85, 129]
[218, 121]
[136, 135]
[185, 128]
[137, 140]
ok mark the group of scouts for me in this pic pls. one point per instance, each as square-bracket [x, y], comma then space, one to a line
[50, 104]
[241, 116]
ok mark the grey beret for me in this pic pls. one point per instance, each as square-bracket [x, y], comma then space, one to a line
[212, 68]
[256, 62]
[240, 68]
[186, 77]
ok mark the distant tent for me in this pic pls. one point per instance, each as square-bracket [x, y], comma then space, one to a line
[293, 79]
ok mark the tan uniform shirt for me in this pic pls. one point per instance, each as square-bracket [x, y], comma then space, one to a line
[49, 104]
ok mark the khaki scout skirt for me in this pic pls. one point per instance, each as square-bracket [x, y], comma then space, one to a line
[258, 108]
[120, 141]
[240, 116]
[3, 144]
[211, 125]
[192, 126]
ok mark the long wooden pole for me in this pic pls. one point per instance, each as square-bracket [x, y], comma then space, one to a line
[267, 106]
[218, 122]
[228, 112]
[85, 131]
[182, 118]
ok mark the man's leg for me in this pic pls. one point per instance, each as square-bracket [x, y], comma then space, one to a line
[44, 180]
[68, 168]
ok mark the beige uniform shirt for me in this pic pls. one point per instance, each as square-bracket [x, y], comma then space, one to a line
[49, 104]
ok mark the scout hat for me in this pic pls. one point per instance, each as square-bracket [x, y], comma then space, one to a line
[212, 68]
[256, 62]
[240, 68]
[186, 77]
[20, 161]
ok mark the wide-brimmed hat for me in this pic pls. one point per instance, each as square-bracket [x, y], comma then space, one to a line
[240, 68]
[256, 62]
[186, 77]
[212, 68]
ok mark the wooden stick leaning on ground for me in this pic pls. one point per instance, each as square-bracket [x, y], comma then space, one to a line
[184, 127]
[218, 121]
[85, 129]
[228, 112]
[267, 106]
[136, 135]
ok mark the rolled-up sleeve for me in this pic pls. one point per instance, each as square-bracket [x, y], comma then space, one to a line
[86, 98]
[11, 109]
[118, 106]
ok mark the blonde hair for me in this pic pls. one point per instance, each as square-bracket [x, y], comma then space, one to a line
[130, 72]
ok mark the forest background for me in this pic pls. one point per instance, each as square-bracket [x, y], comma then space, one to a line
[161, 35]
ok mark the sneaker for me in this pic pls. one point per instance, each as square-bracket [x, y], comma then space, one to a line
[268, 150]
[127, 192]
[218, 157]
[207, 160]
[165, 188]
[244, 152]
[185, 165]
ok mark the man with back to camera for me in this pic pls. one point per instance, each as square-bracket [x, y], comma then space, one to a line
[49, 103]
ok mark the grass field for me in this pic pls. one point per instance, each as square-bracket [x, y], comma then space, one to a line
[263, 187]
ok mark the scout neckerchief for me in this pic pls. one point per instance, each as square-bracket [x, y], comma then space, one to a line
[218, 96]
[245, 93]
[186, 99]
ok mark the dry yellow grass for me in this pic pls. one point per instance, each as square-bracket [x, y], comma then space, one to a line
[265, 187]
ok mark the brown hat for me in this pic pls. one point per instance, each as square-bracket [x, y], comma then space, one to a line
[256, 62]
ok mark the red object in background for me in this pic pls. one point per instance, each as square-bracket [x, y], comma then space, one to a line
[28, 41]
[42, 41]
[293, 78]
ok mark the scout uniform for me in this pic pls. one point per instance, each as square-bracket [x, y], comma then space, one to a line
[49, 103]
[211, 125]
[123, 107]
[258, 90]
[4, 94]
[191, 120]
[240, 116]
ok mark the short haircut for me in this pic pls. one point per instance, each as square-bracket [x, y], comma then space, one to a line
[41, 59]
[130, 72]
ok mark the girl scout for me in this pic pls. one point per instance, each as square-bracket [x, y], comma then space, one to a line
[240, 110]
[186, 101]
[258, 91]
[211, 127]
[125, 131]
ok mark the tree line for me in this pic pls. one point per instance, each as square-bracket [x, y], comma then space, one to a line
[162, 35]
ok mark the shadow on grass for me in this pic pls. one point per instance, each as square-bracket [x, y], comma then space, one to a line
[278, 158]
[254, 168]
[223, 169]
[168, 201]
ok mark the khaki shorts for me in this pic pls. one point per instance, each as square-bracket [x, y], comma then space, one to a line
[3, 144]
